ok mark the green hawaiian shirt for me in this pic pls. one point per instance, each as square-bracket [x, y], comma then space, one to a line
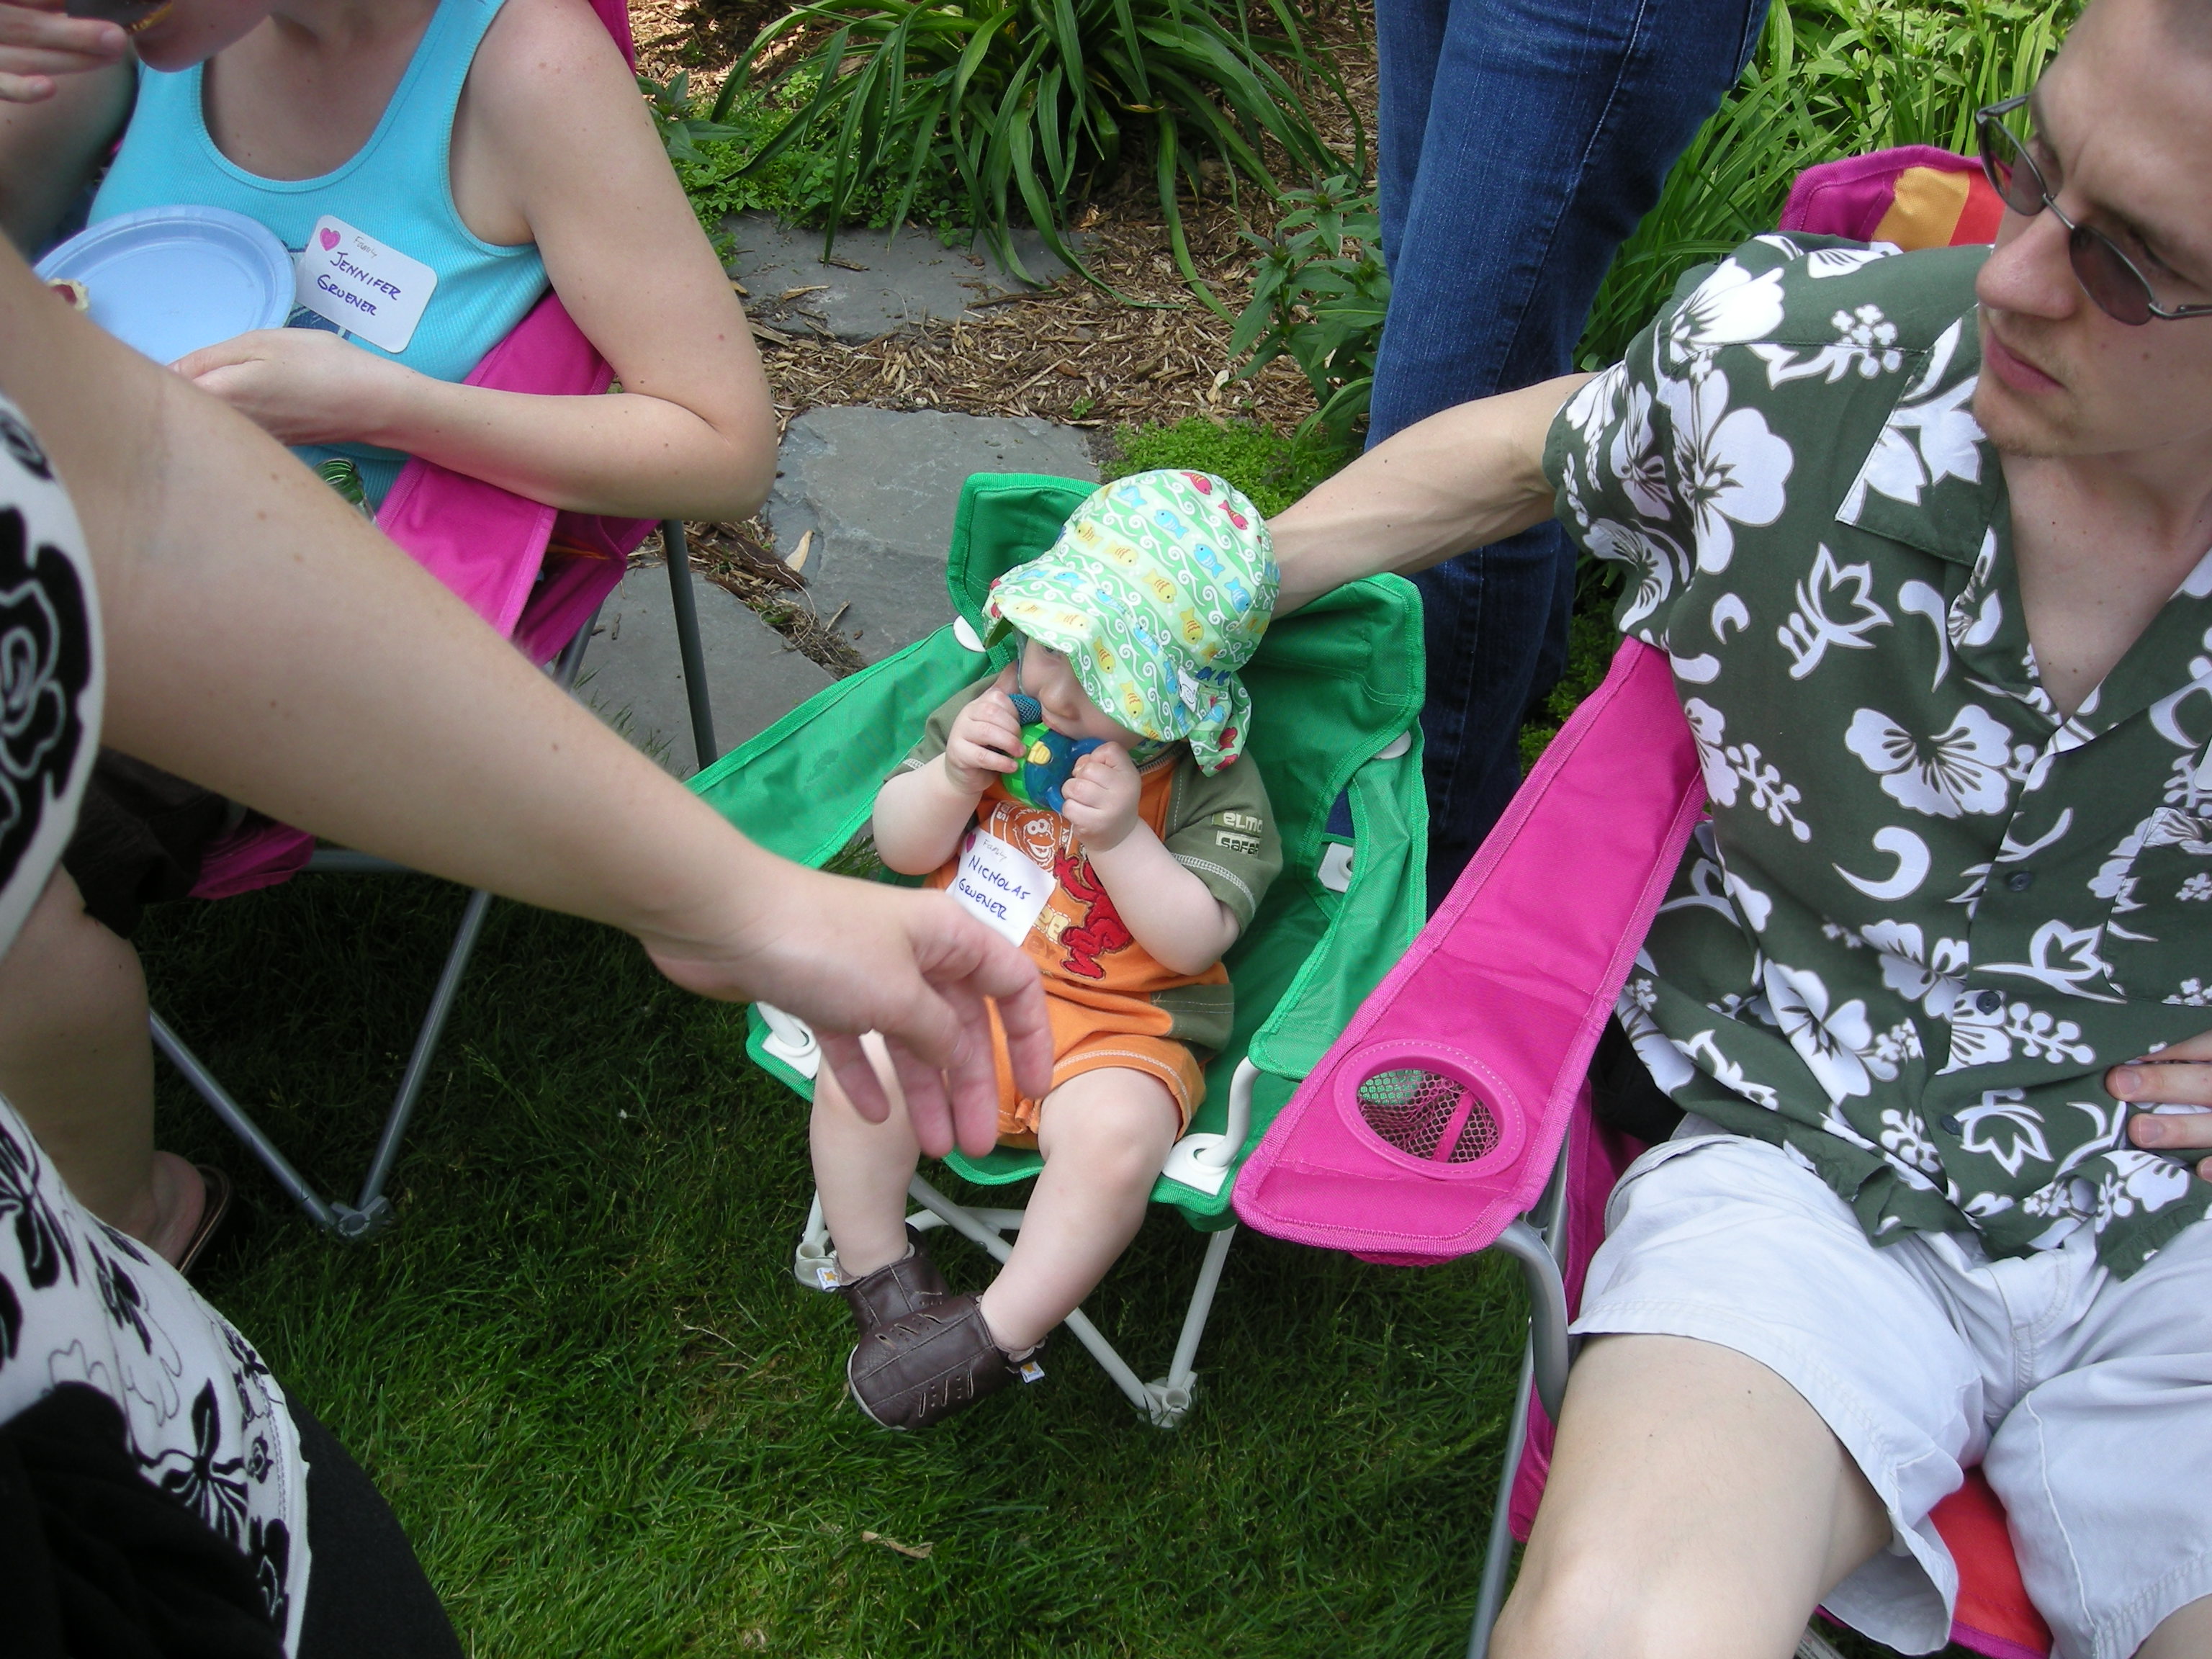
[1927, 913]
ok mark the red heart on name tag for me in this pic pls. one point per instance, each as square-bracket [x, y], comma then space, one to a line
[330, 240]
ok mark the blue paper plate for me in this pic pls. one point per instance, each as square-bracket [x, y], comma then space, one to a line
[167, 281]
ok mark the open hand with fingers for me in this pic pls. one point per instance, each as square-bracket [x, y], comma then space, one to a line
[2176, 1077]
[38, 42]
[302, 386]
[851, 956]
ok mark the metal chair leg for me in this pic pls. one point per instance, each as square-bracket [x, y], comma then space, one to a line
[687, 642]
[371, 1213]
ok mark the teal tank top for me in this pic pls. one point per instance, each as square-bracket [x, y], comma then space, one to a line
[398, 188]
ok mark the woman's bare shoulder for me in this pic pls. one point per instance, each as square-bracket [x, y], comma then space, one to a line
[548, 59]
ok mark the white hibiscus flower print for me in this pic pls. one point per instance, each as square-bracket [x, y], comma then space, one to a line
[1709, 729]
[1729, 1073]
[1730, 308]
[2004, 1128]
[1866, 341]
[1832, 1041]
[1841, 261]
[1979, 1038]
[1654, 563]
[2195, 890]
[1908, 1143]
[2065, 959]
[2138, 1181]
[1732, 769]
[1930, 972]
[1635, 459]
[1729, 466]
[1962, 769]
[1834, 607]
[2192, 994]
[1930, 436]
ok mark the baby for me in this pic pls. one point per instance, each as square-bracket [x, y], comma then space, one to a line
[1128, 881]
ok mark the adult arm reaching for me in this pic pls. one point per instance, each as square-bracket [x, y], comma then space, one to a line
[1461, 479]
[255, 629]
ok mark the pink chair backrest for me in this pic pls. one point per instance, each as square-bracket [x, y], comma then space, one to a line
[532, 572]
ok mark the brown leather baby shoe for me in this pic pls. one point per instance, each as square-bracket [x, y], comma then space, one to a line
[910, 1373]
[895, 1291]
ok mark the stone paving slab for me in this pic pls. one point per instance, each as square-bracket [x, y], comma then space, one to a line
[633, 678]
[903, 279]
[877, 488]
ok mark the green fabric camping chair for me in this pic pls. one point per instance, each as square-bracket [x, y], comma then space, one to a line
[1336, 692]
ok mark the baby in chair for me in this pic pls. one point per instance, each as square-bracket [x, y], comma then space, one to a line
[1127, 875]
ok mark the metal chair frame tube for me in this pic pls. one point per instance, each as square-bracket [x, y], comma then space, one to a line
[1544, 1362]
[371, 1213]
[687, 641]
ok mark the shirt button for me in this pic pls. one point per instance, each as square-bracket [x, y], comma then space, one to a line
[1948, 1123]
[1990, 1002]
[2020, 880]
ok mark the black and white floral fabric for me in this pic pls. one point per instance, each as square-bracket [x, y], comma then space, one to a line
[79, 1301]
[49, 677]
[1928, 910]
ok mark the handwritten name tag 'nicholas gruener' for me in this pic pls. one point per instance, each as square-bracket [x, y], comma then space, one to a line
[999, 882]
[366, 288]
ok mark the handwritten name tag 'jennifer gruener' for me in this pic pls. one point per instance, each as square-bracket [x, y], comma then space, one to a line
[999, 882]
[366, 288]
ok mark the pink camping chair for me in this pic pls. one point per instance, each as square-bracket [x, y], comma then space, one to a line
[1454, 1114]
[537, 574]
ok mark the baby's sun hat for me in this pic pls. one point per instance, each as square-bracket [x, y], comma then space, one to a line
[1156, 591]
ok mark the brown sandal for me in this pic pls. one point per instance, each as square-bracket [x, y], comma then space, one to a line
[914, 1372]
[904, 1286]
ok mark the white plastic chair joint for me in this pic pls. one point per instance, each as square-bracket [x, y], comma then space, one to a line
[964, 631]
[1334, 870]
[1167, 1404]
[1203, 1162]
[1397, 746]
[790, 1040]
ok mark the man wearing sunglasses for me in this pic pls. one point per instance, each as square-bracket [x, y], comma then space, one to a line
[1927, 537]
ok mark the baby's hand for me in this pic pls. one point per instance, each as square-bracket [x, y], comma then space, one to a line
[985, 741]
[1102, 797]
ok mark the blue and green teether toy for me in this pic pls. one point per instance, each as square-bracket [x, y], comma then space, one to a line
[1047, 757]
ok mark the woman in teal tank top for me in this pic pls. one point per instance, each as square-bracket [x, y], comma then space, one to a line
[489, 145]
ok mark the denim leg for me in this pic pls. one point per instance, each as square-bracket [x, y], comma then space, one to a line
[1550, 126]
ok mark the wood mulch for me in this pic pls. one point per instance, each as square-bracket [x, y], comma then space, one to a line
[1149, 352]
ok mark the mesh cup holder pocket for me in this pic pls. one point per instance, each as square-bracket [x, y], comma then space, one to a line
[1434, 1115]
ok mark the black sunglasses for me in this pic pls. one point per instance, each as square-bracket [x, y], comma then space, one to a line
[2106, 275]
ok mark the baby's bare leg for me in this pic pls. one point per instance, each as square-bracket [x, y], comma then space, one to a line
[861, 1169]
[1104, 1135]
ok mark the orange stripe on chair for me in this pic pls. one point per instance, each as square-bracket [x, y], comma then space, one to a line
[1994, 1615]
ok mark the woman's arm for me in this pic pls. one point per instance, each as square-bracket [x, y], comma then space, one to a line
[266, 643]
[553, 144]
[1461, 479]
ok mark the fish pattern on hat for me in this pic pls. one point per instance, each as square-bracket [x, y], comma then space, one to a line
[1156, 591]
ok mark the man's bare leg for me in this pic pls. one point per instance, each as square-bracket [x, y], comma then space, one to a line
[1697, 1507]
[861, 1169]
[76, 1060]
[2184, 1633]
[1103, 1135]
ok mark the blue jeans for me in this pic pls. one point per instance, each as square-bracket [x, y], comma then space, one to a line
[1521, 142]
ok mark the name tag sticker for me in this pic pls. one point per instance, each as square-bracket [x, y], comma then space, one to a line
[999, 882]
[370, 290]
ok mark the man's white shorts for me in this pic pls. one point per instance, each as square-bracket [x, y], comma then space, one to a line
[2086, 1399]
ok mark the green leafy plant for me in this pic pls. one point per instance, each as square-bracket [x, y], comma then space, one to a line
[1029, 104]
[676, 118]
[1318, 296]
[1831, 78]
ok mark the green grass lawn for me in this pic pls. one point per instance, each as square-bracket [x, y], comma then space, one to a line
[613, 1423]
